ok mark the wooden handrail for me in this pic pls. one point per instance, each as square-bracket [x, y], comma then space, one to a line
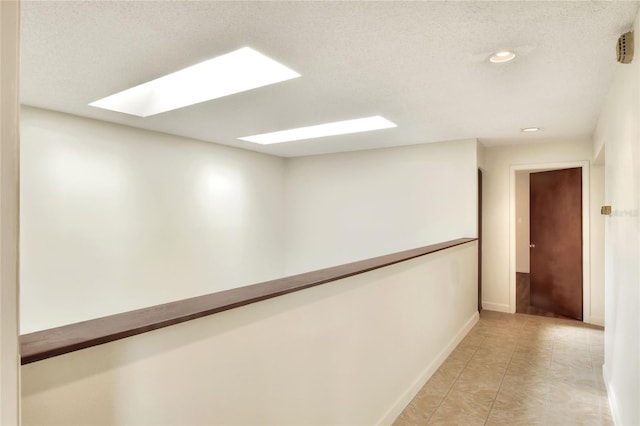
[73, 337]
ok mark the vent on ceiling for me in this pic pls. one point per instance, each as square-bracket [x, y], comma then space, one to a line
[625, 48]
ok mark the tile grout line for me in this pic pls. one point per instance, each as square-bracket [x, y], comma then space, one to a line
[545, 413]
[456, 379]
[493, 403]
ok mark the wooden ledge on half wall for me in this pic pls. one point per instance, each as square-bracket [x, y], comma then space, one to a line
[45, 344]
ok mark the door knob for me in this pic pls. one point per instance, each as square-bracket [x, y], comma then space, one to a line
[532, 246]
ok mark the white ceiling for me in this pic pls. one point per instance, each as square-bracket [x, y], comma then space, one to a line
[422, 65]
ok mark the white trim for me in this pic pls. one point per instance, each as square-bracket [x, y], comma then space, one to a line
[396, 409]
[9, 194]
[611, 395]
[586, 238]
[497, 307]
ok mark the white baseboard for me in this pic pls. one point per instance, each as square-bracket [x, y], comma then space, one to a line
[596, 321]
[612, 398]
[392, 414]
[497, 307]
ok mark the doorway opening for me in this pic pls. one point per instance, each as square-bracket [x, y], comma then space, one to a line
[537, 294]
[549, 243]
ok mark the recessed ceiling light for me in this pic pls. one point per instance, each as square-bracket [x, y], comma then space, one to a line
[238, 71]
[531, 129]
[502, 56]
[328, 129]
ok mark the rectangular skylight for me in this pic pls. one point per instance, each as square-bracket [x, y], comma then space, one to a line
[328, 129]
[238, 71]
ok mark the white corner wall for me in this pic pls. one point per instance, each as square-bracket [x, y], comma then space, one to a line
[619, 132]
[350, 206]
[351, 352]
[115, 218]
[496, 210]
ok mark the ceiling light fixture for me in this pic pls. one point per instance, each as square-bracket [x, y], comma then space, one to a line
[530, 129]
[502, 56]
[328, 129]
[238, 71]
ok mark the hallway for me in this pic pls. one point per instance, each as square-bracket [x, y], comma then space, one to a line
[518, 370]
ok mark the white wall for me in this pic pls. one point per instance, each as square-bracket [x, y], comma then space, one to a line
[9, 113]
[481, 155]
[115, 218]
[350, 352]
[496, 207]
[619, 132]
[522, 221]
[351, 206]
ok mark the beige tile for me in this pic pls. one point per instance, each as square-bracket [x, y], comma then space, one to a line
[463, 353]
[403, 420]
[437, 385]
[599, 380]
[532, 361]
[413, 415]
[597, 360]
[472, 340]
[503, 351]
[483, 372]
[564, 344]
[526, 365]
[513, 422]
[605, 413]
[508, 333]
[578, 395]
[516, 416]
[585, 378]
[534, 345]
[507, 342]
[573, 378]
[476, 405]
[428, 400]
[596, 348]
[572, 333]
[517, 370]
[452, 367]
[484, 315]
[475, 381]
[596, 338]
[525, 396]
[486, 363]
[494, 354]
[536, 341]
[524, 380]
[445, 417]
[567, 363]
[587, 415]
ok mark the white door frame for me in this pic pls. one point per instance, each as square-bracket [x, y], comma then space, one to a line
[586, 240]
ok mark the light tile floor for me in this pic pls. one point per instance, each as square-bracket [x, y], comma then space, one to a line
[517, 370]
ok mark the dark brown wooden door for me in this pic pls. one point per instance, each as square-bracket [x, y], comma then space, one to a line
[556, 241]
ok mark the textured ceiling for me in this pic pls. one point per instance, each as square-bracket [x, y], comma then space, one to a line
[422, 65]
